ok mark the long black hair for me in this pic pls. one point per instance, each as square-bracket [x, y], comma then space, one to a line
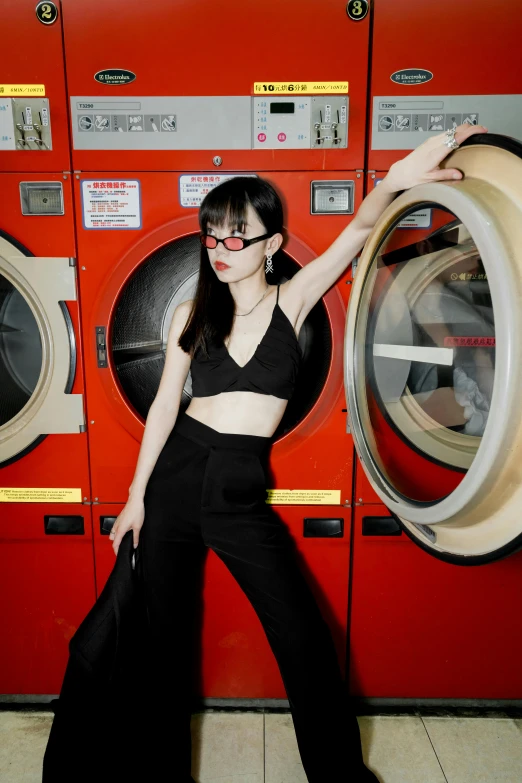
[212, 311]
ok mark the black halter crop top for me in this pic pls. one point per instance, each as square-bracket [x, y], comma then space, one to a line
[271, 370]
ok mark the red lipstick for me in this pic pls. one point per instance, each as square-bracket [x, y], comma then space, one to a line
[220, 266]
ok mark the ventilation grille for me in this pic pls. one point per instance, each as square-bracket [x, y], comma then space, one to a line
[41, 198]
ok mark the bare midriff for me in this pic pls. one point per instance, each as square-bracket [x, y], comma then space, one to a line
[240, 413]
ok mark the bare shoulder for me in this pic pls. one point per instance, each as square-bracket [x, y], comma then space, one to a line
[184, 308]
[181, 315]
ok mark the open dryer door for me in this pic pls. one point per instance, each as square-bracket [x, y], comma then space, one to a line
[433, 358]
[37, 351]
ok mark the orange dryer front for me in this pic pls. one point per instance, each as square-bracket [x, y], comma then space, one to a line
[181, 111]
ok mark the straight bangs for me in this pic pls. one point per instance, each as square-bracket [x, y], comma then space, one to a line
[225, 208]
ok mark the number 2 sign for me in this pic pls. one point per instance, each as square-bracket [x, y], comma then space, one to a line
[47, 13]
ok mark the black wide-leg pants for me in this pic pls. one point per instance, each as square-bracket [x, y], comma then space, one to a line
[207, 489]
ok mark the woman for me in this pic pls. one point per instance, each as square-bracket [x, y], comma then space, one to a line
[200, 479]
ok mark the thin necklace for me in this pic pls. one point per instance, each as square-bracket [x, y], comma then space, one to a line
[254, 307]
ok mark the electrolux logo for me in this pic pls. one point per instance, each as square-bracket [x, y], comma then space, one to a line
[411, 76]
[114, 76]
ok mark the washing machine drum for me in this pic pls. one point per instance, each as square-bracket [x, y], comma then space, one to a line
[20, 351]
[434, 358]
[144, 313]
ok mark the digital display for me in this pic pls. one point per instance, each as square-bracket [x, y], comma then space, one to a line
[282, 108]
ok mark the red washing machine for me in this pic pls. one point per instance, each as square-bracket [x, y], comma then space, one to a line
[433, 333]
[171, 117]
[46, 556]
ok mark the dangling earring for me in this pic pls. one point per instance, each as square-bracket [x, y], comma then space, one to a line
[269, 267]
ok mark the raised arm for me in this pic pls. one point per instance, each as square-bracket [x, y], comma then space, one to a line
[422, 165]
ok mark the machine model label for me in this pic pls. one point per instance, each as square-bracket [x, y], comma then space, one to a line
[46, 12]
[402, 122]
[304, 88]
[194, 187]
[111, 204]
[411, 76]
[40, 495]
[304, 497]
[15, 90]
[419, 219]
[115, 76]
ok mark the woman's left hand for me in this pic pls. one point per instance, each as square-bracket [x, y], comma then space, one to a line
[422, 165]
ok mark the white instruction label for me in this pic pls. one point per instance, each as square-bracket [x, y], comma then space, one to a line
[194, 187]
[304, 497]
[419, 219]
[40, 495]
[111, 204]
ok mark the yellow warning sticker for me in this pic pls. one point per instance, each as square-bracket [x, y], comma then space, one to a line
[300, 88]
[40, 495]
[23, 90]
[304, 497]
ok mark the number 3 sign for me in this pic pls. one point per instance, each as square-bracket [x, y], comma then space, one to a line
[357, 9]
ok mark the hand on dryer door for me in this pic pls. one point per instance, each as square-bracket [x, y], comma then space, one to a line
[423, 164]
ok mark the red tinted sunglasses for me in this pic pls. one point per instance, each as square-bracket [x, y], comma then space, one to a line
[231, 243]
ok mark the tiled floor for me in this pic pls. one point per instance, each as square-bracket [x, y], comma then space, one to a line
[249, 747]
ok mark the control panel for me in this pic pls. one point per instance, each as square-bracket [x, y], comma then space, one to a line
[297, 123]
[25, 124]
[210, 122]
[330, 121]
[403, 122]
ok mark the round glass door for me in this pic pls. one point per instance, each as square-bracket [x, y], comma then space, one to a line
[429, 339]
[37, 350]
[433, 357]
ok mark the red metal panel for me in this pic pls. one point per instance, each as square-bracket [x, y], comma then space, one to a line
[472, 48]
[32, 53]
[422, 628]
[207, 48]
[319, 446]
[47, 588]
[235, 658]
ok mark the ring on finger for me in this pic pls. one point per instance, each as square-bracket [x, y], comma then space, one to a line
[451, 142]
